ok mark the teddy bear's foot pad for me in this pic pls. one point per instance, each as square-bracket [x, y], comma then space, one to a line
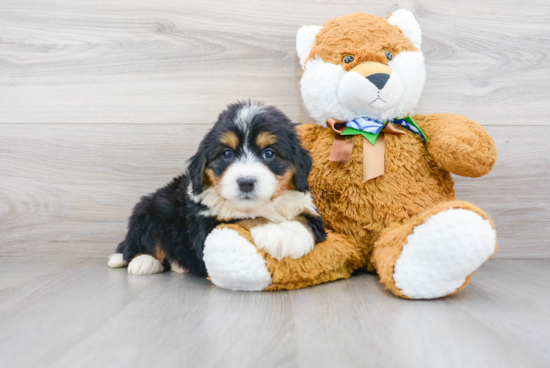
[442, 252]
[233, 263]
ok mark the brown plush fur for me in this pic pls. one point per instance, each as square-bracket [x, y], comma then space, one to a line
[367, 38]
[466, 151]
[415, 185]
[414, 178]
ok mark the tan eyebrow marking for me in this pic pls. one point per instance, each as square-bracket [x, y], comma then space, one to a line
[265, 139]
[230, 139]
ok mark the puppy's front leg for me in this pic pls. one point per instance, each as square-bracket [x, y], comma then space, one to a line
[280, 240]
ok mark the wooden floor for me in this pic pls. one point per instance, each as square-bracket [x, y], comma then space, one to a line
[76, 312]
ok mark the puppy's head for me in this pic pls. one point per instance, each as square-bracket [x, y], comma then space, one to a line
[251, 156]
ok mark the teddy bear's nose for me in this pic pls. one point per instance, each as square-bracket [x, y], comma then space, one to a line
[379, 79]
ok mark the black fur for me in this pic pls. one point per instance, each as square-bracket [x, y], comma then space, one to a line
[170, 218]
[173, 220]
[317, 226]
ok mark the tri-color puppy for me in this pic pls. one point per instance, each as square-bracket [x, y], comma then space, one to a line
[249, 169]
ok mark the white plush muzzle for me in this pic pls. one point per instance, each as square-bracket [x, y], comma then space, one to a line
[358, 93]
[329, 91]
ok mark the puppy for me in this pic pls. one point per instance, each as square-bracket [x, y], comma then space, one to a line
[249, 169]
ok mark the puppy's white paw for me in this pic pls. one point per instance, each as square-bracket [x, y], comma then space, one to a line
[116, 261]
[144, 265]
[285, 239]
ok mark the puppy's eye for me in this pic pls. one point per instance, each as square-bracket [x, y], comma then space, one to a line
[227, 154]
[348, 59]
[269, 154]
[389, 55]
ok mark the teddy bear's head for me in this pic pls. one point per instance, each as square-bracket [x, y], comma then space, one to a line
[361, 65]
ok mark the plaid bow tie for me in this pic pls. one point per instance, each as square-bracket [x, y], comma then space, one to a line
[373, 153]
[370, 128]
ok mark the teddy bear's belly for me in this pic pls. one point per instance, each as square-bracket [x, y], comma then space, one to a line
[411, 183]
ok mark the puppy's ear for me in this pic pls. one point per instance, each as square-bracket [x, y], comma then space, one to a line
[303, 168]
[195, 171]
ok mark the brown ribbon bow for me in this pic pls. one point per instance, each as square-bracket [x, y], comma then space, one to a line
[373, 155]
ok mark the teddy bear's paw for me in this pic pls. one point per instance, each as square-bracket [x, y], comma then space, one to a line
[233, 263]
[285, 239]
[442, 252]
[145, 265]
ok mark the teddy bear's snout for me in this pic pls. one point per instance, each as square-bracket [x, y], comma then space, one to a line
[373, 91]
[379, 79]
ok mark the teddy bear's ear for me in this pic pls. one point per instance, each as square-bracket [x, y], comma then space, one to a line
[406, 22]
[305, 39]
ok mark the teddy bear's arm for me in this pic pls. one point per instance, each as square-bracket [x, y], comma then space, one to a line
[458, 144]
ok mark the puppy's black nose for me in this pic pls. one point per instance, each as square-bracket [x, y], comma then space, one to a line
[379, 79]
[246, 184]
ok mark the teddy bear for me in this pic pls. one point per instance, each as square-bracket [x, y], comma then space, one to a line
[380, 176]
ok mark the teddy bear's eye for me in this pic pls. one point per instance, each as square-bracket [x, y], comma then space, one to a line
[348, 59]
[389, 55]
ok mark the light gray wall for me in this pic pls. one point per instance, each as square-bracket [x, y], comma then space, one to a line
[103, 101]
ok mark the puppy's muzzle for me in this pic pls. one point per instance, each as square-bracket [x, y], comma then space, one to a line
[246, 184]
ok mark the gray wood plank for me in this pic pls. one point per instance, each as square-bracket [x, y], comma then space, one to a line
[181, 61]
[90, 303]
[69, 189]
[70, 303]
[508, 304]
[87, 315]
[357, 323]
[22, 278]
[201, 326]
